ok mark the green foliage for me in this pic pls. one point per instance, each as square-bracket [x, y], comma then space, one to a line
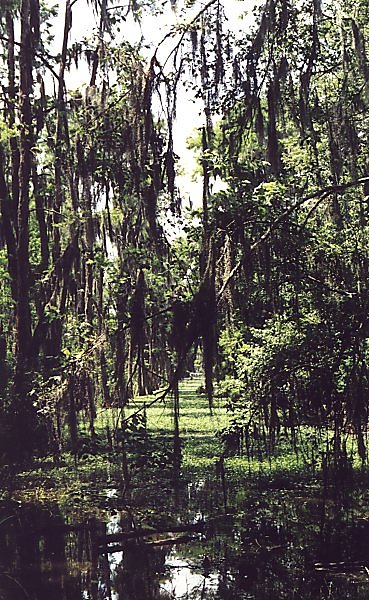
[289, 375]
[271, 274]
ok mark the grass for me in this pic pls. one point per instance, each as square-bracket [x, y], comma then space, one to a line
[78, 485]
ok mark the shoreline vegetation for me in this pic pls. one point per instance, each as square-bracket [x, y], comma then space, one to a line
[203, 447]
[206, 509]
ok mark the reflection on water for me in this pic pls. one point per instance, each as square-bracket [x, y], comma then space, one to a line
[114, 559]
[274, 544]
[184, 581]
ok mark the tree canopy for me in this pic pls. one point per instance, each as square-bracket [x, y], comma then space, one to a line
[267, 278]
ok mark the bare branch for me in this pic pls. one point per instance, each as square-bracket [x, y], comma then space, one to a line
[330, 287]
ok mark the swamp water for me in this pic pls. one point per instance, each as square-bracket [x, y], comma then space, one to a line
[191, 533]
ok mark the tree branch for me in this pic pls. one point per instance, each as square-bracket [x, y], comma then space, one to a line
[38, 54]
[329, 287]
[321, 194]
[172, 33]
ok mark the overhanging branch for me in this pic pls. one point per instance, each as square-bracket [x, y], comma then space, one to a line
[320, 194]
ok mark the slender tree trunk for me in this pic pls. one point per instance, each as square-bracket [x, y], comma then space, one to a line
[5, 211]
[176, 444]
[41, 218]
[24, 412]
[14, 149]
[23, 316]
[121, 354]
[59, 136]
[9, 201]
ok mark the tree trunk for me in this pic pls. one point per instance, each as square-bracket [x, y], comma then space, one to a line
[5, 211]
[23, 316]
[24, 413]
[14, 149]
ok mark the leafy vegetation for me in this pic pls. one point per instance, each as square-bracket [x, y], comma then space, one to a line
[112, 291]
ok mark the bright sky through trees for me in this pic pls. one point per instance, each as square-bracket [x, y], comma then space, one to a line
[152, 29]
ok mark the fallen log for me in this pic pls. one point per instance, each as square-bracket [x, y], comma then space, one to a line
[147, 531]
[341, 567]
[182, 539]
